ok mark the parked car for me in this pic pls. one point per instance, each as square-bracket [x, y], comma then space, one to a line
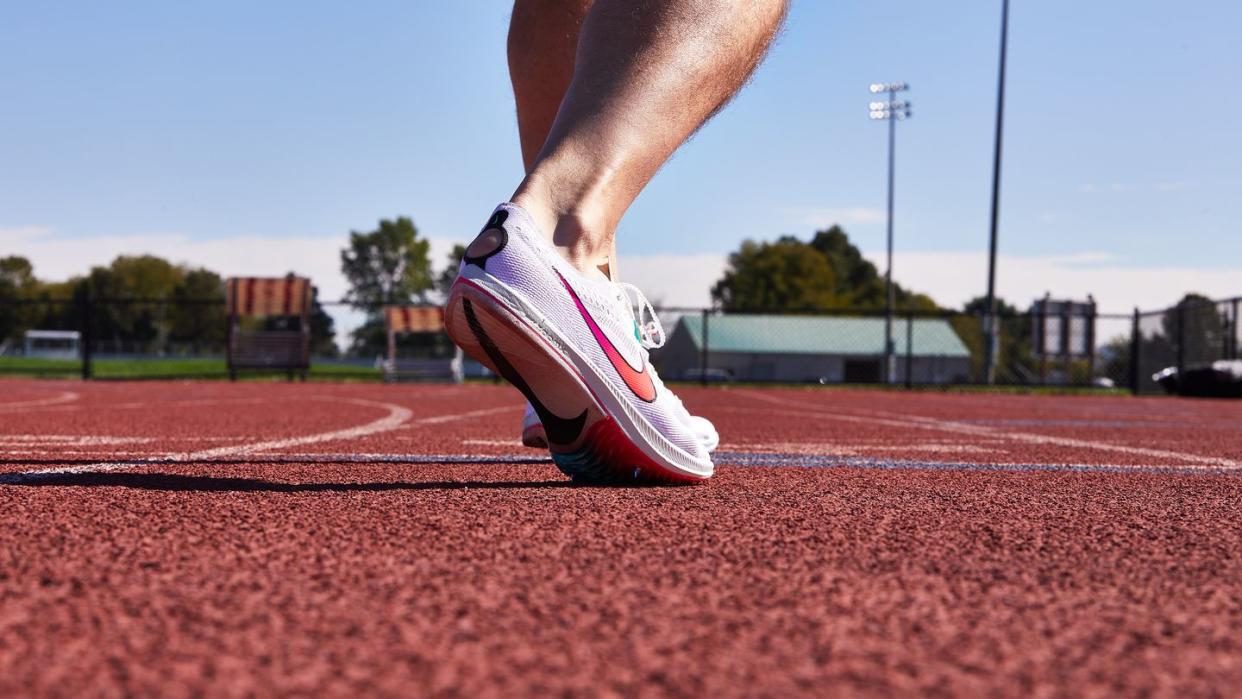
[709, 374]
[1220, 379]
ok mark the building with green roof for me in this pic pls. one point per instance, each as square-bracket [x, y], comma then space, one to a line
[800, 348]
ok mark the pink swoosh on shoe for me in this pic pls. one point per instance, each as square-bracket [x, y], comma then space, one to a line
[639, 381]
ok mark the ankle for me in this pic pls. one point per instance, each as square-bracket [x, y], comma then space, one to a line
[578, 229]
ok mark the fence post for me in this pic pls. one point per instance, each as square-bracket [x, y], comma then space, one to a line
[88, 335]
[1090, 340]
[1135, 349]
[1043, 338]
[1181, 340]
[1227, 322]
[703, 354]
[1237, 328]
[910, 350]
[1066, 349]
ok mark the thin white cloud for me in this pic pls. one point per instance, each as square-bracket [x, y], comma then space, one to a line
[9, 236]
[1172, 186]
[1124, 187]
[674, 280]
[57, 257]
[952, 278]
[825, 217]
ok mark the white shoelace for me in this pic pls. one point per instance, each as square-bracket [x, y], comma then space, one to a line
[650, 331]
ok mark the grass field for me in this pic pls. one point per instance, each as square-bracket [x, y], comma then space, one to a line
[208, 368]
[170, 368]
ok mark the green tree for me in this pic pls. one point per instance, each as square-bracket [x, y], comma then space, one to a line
[197, 316]
[856, 279]
[791, 274]
[1198, 327]
[387, 265]
[1015, 354]
[787, 275]
[17, 285]
[859, 283]
[16, 274]
[323, 330]
[978, 306]
[123, 293]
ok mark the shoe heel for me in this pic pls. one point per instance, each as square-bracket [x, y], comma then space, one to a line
[498, 339]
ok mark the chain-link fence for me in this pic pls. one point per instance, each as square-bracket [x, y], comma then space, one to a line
[1188, 335]
[866, 347]
[174, 338]
[188, 338]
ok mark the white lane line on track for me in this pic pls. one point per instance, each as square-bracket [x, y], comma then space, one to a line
[493, 442]
[927, 423]
[68, 440]
[63, 397]
[397, 417]
[142, 405]
[746, 459]
[398, 458]
[853, 449]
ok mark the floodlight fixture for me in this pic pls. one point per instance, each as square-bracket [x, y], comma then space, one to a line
[877, 88]
[891, 110]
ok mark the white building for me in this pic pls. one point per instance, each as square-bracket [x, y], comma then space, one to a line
[52, 344]
[828, 349]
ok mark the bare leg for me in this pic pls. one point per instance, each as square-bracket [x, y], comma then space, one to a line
[543, 38]
[645, 76]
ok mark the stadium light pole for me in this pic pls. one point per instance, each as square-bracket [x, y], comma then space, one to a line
[991, 330]
[891, 110]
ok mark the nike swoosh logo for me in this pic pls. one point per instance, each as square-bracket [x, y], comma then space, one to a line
[558, 429]
[639, 380]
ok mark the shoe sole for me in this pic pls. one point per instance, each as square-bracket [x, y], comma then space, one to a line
[495, 336]
[534, 438]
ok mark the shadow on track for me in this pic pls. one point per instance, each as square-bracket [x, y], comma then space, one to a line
[172, 482]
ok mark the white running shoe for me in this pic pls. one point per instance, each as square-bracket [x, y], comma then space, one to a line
[570, 345]
[533, 435]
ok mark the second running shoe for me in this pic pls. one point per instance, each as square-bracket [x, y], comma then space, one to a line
[572, 346]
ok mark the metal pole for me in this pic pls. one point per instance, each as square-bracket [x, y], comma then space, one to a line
[1091, 343]
[909, 349]
[892, 110]
[88, 339]
[1181, 340]
[703, 356]
[1227, 344]
[890, 359]
[1043, 338]
[1135, 351]
[1237, 328]
[990, 358]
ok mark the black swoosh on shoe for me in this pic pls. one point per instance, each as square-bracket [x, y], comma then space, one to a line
[559, 430]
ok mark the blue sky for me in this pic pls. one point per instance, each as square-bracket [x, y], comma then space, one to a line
[228, 121]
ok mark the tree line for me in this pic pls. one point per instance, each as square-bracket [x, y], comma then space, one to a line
[391, 264]
[141, 304]
[149, 305]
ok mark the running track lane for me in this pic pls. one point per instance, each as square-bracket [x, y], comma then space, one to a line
[314, 567]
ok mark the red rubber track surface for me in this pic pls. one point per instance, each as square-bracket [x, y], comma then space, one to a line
[180, 538]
